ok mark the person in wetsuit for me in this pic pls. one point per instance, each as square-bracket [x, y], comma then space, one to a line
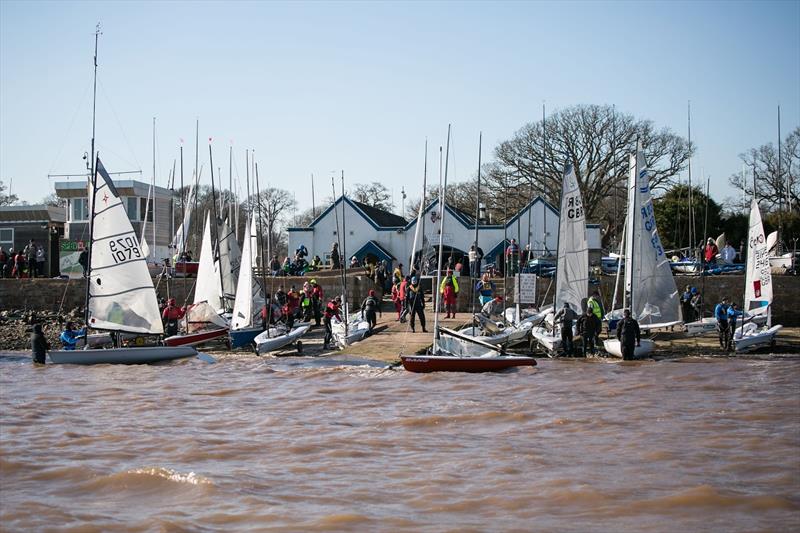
[39, 344]
[369, 307]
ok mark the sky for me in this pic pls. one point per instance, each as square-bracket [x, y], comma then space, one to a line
[321, 87]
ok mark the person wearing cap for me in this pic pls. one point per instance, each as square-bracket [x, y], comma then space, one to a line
[415, 296]
[369, 307]
[170, 316]
[449, 291]
[494, 308]
[721, 314]
[588, 326]
[686, 304]
[39, 345]
[69, 337]
[710, 252]
[331, 310]
[565, 318]
[629, 335]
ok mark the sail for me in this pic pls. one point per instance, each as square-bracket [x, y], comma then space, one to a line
[248, 298]
[572, 273]
[179, 241]
[121, 293]
[758, 280]
[230, 256]
[145, 247]
[654, 298]
[208, 287]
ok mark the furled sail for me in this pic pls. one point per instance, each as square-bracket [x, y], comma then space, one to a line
[121, 293]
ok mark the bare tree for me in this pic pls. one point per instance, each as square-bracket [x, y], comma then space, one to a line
[461, 196]
[597, 141]
[275, 205]
[54, 200]
[373, 194]
[774, 190]
[5, 198]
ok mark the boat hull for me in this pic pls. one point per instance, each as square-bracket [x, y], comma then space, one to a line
[186, 270]
[754, 339]
[265, 343]
[447, 363]
[243, 337]
[122, 356]
[196, 338]
[614, 348]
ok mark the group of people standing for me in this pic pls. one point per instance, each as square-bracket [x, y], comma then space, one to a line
[26, 263]
[726, 313]
[408, 298]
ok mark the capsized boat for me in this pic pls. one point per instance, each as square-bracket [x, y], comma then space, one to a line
[757, 290]
[650, 289]
[120, 293]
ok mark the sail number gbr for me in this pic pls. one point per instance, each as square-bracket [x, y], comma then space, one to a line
[124, 249]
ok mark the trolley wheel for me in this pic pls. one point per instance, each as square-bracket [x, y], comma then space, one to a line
[299, 346]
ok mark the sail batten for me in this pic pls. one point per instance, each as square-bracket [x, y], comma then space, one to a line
[118, 267]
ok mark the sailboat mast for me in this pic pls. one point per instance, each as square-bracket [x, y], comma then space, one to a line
[344, 263]
[477, 222]
[230, 190]
[182, 247]
[692, 244]
[779, 248]
[215, 226]
[544, 181]
[267, 303]
[443, 210]
[313, 203]
[93, 181]
[338, 233]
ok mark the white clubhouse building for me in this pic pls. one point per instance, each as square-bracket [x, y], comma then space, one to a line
[369, 232]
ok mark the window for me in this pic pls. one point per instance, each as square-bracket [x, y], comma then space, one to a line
[132, 207]
[146, 206]
[78, 209]
[7, 238]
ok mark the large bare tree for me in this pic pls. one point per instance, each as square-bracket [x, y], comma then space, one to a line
[776, 191]
[597, 140]
[374, 194]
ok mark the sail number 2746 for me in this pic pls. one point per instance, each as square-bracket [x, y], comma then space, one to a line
[124, 249]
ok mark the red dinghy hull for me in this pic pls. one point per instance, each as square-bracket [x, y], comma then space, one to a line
[447, 363]
[198, 337]
[183, 269]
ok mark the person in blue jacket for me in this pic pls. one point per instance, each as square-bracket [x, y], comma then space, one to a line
[69, 337]
[721, 314]
[733, 313]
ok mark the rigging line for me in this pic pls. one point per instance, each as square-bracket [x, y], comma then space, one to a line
[71, 124]
[119, 125]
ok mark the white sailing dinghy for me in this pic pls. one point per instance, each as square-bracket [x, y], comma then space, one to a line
[120, 295]
[356, 330]
[277, 337]
[650, 289]
[246, 320]
[572, 270]
[757, 290]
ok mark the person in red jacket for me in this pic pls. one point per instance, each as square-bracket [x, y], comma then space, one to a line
[396, 299]
[292, 303]
[317, 297]
[331, 310]
[172, 313]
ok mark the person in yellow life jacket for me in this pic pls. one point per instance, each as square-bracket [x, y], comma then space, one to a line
[596, 306]
[449, 291]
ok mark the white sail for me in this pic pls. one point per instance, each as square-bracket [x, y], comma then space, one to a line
[179, 241]
[145, 247]
[653, 295]
[230, 256]
[572, 273]
[121, 293]
[758, 280]
[208, 287]
[248, 292]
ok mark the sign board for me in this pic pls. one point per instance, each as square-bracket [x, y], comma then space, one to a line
[68, 258]
[525, 288]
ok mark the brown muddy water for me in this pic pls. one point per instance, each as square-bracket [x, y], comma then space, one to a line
[332, 444]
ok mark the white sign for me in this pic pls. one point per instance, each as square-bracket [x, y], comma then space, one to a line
[525, 288]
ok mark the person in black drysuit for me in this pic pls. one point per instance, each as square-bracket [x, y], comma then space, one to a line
[39, 344]
[565, 317]
[629, 335]
[415, 296]
[369, 307]
[588, 328]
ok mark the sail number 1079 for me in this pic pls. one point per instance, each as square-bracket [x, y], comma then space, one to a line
[124, 249]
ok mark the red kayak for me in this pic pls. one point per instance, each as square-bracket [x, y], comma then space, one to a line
[195, 338]
[451, 363]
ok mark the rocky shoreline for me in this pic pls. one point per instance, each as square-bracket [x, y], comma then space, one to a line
[16, 326]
